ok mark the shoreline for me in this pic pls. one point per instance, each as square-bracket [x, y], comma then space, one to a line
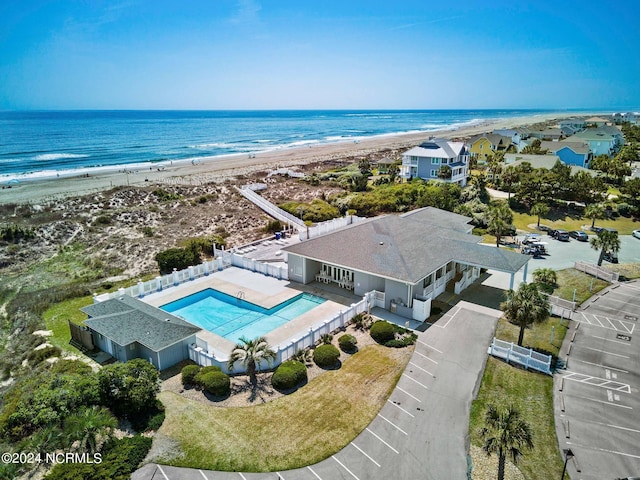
[195, 171]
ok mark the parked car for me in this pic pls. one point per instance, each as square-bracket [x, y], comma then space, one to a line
[599, 229]
[578, 235]
[610, 257]
[544, 228]
[636, 233]
[561, 235]
[530, 238]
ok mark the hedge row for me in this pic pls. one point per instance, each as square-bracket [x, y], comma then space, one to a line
[211, 379]
[391, 335]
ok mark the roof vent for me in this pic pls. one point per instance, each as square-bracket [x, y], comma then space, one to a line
[381, 243]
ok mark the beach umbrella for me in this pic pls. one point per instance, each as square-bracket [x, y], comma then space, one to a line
[13, 181]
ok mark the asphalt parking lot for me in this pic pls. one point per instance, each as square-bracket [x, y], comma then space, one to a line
[421, 432]
[597, 406]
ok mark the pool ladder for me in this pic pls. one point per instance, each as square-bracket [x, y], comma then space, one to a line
[240, 295]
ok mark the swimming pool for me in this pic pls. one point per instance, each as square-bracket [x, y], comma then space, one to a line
[232, 318]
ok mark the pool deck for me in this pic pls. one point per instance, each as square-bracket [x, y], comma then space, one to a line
[263, 291]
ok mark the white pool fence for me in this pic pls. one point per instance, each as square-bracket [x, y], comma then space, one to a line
[523, 356]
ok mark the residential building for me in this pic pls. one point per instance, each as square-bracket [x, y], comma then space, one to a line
[571, 153]
[576, 124]
[407, 259]
[481, 146]
[605, 140]
[597, 121]
[426, 160]
[542, 161]
[128, 328]
[547, 134]
[383, 164]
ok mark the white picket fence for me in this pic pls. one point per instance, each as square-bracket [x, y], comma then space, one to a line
[286, 349]
[597, 271]
[524, 356]
[323, 228]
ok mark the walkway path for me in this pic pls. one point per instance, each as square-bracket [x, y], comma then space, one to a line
[422, 431]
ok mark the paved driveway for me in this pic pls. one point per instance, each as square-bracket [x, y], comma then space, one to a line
[422, 430]
[596, 398]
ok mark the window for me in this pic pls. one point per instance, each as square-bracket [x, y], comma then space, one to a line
[445, 161]
[435, 161]
[434, 173]
[427, 281]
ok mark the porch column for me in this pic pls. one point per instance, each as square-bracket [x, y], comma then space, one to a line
[524, 275]
[511, 281]
[409, 295]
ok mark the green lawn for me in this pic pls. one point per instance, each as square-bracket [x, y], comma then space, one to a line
[572, 280]
[290, 432]
[56, 319]
[624, 225]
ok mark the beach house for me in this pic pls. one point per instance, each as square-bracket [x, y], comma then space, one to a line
[407, 259]
[437, 159]
[483, 145]
[605, 140]
[128, 328]
[571, 153]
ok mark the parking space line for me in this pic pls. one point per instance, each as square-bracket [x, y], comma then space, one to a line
[202, 473]
[424, 370]
[316, 475]
[162, 472]
[243, 477]
[430, 359]
[603, 450]
[599, 365]
[412, 396]
[602, 401]
[365, 454]
[375, 435]
[414, 380]
[604, 351]
[597, 381]
[344, 466]
[430, 346]
[280, 477]
[626, 344]
[393, 424]
[449, 319]
[405, 411]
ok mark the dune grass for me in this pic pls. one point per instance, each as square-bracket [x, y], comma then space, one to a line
[292, 431]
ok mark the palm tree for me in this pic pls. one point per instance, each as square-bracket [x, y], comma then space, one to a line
[509, 176]
[444, 172]
[605, 241]
[539, 209]
[499, 219]
[91, 426]
[545, 275]
[525, 306]
[251, 353]
[594, 211]
[505, 433]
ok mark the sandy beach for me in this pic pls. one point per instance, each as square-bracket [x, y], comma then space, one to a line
[220, 168]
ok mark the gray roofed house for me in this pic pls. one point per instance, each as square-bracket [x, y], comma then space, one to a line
[412, 258]
[425, 161]
[128, 328]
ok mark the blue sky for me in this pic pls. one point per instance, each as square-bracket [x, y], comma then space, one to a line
[282, 54]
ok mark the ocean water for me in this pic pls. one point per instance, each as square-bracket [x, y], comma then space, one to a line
[49, 142]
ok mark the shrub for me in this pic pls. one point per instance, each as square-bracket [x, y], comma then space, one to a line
[347, 342]
[216, 383]
[382, 331]
[289, 375]
[326, 338]
[178, 258]
[189, 374]
[361, 321]
[303, 355]
[37, 356]
[326, 355]
[149, 419]
[64, 366]
[624, 209]
[203, 371]
[273, 226]
[409, 338]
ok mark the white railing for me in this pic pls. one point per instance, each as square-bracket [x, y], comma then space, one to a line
[323, 228]
[288, 348]
[229, 258]
[597, 271]
[523, 356]
[270, 208]
[560, 302]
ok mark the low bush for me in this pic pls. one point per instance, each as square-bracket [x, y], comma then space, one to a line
[216, 383]
[149, 419]
[382, 331]
[64, 366]
[189, 373]
[289, 375]
[347, 342]
[203, 371]
[326, 355]
[37, 356]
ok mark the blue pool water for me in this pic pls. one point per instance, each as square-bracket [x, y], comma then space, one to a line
[232, 318]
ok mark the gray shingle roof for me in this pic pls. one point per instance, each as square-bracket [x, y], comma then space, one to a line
[407, 247]
[126, 320]
[437, 148]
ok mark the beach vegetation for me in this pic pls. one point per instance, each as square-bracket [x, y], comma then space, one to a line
[273, 226]
[317, 210]
[177, 258]
[326, 356]
[147, 231]
[188, 374]
[16, 233]
[348, 343]
[303, 355]
[165, 196]
[326, 338]
[130, 388]
[203, 371]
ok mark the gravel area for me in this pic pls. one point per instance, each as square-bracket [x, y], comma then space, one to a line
[486, 468]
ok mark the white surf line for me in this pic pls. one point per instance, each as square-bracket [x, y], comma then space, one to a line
[345, 467]
[423, 369]
[365, 454]
[604, 450]
[422, 355]
[430, 346]
[202, 473]
[405, 411]
[375, 435]
[599, 365]
[412, 396]
[414, 380]
[604, 351]
[316, 475]
[162, 472]
[393, 424]
[626, 344]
